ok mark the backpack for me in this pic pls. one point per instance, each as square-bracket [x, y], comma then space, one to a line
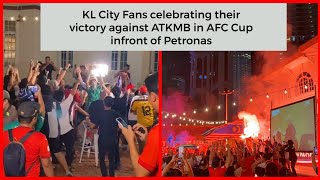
[14, 156]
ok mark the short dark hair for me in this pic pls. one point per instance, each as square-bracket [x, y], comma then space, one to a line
[137, 92]
[152, 83]
[47, 57]
[23, 83]
[108, 101]
[290, 142]
[58, 95]
[46, 90]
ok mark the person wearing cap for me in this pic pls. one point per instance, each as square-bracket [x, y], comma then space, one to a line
[9, 111]
[36, 146]
[145, 164]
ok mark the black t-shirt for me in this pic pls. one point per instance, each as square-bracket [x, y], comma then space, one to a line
[120, 105]
[49, 68]
[108, 128]
[96, 111]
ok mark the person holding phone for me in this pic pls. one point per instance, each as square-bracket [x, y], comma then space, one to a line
[145, 164]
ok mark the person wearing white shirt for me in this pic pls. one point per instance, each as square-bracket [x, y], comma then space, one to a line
[60, 128]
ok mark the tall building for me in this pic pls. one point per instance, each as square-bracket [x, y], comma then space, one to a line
[176, 70]
[211, 73]
[303, 19]
[241, 65]
[302, 22]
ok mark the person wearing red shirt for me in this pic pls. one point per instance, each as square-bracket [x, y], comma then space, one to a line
[36, 146]
[147, 163]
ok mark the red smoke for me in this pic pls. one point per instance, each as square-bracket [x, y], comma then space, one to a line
[260, 106]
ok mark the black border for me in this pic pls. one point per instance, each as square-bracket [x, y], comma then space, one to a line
[314, 117]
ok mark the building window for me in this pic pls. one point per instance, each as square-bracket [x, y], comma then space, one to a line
[66, 58]
[10, 42]
[155, 64]
[123, 59]
[114, 60]
[305, 83]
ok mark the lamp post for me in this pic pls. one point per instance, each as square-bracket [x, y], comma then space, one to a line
[226, 93]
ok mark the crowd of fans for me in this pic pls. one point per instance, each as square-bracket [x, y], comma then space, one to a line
[232, 158]
[54, 114]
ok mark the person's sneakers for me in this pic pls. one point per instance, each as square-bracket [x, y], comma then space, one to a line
[69, 174]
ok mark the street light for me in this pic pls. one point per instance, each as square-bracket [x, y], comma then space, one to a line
[219, 107]
[234, 104]
[206, 110]
[194, 112]
[226, 93]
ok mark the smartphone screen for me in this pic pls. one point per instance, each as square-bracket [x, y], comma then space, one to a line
[33, 89]
[122, 122]
[180, 150]
[315, 150]
[179, 162]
